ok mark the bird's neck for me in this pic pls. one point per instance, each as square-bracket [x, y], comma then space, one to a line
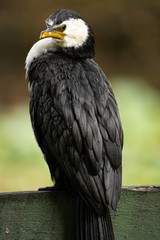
[37, 49]
[48, 44]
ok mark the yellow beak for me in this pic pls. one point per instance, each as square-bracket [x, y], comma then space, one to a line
[53, 34]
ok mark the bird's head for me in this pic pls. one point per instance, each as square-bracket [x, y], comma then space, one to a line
[66, 32]
[69, 33]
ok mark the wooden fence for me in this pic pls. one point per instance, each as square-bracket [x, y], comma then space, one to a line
[51, 215]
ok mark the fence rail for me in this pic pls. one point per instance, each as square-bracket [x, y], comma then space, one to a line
[51, 215]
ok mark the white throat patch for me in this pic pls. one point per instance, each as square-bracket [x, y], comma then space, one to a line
[37, 49]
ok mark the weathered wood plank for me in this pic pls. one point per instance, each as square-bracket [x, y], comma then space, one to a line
[51, 215]
[138, 214]
[37, 216]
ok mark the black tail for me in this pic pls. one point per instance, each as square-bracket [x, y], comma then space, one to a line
[90, 226]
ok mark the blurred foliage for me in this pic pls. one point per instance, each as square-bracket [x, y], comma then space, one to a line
[21, 163]
[140, 113]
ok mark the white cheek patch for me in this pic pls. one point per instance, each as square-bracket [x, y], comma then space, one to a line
[37, 49]
[76, 33]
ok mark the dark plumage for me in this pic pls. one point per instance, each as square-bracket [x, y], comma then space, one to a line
[76, 122]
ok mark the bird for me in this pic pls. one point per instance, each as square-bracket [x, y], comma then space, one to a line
[76, 121]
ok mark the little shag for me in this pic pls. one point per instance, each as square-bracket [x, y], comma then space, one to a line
[76, 121]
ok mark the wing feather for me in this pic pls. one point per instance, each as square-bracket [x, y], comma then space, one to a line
[85, 133]
[93, 118]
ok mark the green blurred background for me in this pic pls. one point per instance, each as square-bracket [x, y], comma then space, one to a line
[127, 49]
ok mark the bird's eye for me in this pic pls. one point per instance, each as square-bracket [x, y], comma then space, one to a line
[63, 27]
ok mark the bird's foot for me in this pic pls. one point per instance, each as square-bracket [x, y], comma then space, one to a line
[51, 188]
